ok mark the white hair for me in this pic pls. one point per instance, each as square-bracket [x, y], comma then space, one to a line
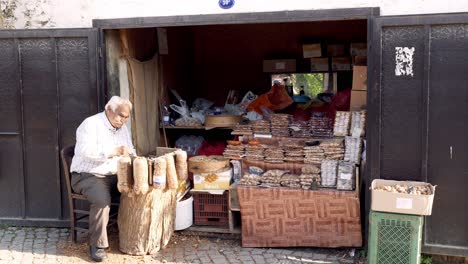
[117, 101]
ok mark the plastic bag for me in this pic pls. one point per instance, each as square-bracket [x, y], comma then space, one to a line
[191, 144]
[275, 99]
[201, 104]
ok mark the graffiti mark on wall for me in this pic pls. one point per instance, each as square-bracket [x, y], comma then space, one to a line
[404, 61]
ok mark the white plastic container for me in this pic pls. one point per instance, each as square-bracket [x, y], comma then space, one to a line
[184, 214]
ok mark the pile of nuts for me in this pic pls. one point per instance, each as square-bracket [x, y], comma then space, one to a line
[408, 189]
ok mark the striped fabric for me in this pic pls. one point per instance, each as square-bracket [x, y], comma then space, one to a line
[96, 138]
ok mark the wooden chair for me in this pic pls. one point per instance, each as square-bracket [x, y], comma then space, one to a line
[79, 218]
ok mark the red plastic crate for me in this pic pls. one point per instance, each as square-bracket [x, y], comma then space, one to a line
[210, 209]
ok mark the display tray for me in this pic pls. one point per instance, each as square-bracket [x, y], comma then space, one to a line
[282, 217]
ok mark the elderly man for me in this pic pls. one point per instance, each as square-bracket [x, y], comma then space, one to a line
[100, 140]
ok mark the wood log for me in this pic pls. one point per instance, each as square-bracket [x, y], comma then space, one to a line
[146, 221]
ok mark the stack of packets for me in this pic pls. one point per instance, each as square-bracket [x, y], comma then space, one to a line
[234, 152]
[300, 129]
[310, 177]
[291, 181]
[261, 127]
[242, 130]
[272, 178]
[353, 149]
[346, 178]
[328, 173]
[321, 126]
[313, 155]
[250, 180]
[333, 149]
[274, 154]
[255, 152]
[342, 122]
[358, 124]
[294, 154]
[280, 125]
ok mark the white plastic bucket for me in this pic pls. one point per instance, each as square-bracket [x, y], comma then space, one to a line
[184, 214]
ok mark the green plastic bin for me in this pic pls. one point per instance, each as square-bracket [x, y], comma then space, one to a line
[394, 238]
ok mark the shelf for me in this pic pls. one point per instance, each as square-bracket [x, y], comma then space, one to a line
[196, 128]
[214, 229]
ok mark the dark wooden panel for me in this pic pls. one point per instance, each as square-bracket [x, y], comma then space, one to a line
[448, 129]
[41, 128]
[10, 176]
[9, 83]
[77, 94]
[402, 109]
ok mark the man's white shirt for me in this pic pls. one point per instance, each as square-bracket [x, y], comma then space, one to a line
[96, 138]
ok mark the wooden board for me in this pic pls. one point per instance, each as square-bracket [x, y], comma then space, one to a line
[282, 217]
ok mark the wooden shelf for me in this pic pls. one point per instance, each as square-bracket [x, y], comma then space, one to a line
[197, 128]
[215, 229]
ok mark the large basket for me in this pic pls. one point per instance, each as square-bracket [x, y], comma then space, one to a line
[210, 209]
[394, 238]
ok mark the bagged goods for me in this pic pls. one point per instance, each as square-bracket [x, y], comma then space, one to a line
[333, 149]
[124, 175]
[242, 130]
[171, 173]
[272, 178]
[181, 165]
[346, 178]
[205, 164]
[341, 126]
[406, 188]
[321, 126]
[358, 124]
[310, 169]
[291, 180]
[307, 180]
[140, 175]
[353, 149]
[234, 151]
[279, 124]
[159, 173]
[329, 170]
[250, 180]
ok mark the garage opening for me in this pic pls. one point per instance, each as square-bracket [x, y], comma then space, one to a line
[217, 66]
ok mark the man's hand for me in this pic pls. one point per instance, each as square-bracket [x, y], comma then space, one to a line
[120, 151]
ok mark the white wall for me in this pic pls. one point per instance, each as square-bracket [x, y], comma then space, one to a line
[80, 13]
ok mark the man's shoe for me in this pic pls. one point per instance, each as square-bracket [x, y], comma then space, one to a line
[97, 254]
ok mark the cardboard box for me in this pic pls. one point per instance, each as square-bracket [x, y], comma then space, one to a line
[360, 78]
[358, 100]
[336, 50]
[341, 63]
[319, 64]
[279, 66]
[358, 49]
[360, 60]
[401, 203]
[212, 181]
[312, 50]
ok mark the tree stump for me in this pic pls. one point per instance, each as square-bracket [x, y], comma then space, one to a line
[146, 222]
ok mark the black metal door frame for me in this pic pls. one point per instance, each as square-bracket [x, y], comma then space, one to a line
[375, 118]
[63, 118]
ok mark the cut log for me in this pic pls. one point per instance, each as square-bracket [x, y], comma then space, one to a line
[146, 221]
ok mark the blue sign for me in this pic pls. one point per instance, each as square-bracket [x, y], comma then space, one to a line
[226, 4]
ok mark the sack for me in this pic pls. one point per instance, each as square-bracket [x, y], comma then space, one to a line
[275, 99]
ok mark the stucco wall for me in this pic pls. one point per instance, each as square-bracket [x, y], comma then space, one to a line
[80, 13]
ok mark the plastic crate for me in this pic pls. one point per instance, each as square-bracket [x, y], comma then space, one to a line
[210, 209]
[394, 238]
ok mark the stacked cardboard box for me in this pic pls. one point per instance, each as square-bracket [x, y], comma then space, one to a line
[359, 91]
